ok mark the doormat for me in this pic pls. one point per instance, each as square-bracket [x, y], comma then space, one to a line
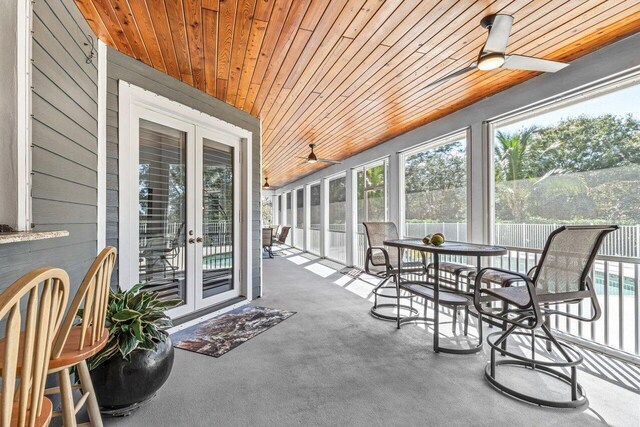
[218, 335]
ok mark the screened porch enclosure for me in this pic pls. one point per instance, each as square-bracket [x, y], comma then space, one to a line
[508, 181]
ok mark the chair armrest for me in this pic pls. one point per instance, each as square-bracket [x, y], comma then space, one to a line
[478, 299]
[369, 258]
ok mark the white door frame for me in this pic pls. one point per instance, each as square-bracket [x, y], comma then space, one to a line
[133, 100]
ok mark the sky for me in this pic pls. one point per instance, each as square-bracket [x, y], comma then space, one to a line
[622, 102]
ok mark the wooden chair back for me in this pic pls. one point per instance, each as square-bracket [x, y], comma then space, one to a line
[94, 293]
[39, 298]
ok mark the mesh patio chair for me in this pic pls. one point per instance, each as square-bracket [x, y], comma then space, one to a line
[384, 263]
[282, 238]
[275, 229]
[267, 241]
[561, 277]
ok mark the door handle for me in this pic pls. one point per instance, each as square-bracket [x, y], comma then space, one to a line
[192, 240]
[199, 239]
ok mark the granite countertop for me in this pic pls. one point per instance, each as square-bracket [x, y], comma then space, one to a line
[27, 236]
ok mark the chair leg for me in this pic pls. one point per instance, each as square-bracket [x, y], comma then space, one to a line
[92, 402]
[455, 319]
[66, 396]
[466, 319]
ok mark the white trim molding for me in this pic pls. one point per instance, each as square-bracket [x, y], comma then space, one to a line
[102, 146]
[23, 99]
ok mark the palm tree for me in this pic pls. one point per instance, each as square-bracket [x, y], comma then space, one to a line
[512, 152]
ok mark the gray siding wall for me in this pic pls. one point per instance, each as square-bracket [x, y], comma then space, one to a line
[64, 152]
[122, 67]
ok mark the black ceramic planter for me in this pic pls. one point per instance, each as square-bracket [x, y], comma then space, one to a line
[122, 386]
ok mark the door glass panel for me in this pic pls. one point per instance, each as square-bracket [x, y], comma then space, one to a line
[162, 209]
[217, 217]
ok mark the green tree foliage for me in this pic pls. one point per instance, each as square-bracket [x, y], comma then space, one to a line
[435, 184]
[582, 169]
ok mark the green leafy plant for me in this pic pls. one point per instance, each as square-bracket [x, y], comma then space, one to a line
[136, 319]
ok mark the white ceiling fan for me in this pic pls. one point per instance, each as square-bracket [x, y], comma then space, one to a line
[493, 54]
[312, 158]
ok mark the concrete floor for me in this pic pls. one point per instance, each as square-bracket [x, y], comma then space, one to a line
[333, 364]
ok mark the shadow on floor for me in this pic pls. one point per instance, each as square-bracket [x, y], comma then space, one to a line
[615, 371]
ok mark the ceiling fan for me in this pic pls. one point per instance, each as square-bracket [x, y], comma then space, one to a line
[492, 55]
[312, 158]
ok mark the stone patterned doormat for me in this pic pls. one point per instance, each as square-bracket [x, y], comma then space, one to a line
[218, 335]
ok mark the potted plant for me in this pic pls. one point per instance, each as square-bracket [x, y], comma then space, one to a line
[138, 356]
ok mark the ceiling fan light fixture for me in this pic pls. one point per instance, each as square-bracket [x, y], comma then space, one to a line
[491, 61]
[312, 156]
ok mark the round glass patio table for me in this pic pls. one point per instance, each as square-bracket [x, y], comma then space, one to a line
[437, 295]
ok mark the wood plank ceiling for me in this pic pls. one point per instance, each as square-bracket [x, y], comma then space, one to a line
[345, 74]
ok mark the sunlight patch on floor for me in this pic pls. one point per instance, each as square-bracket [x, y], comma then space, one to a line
[360, 288]
[298, 260]
[321, 270]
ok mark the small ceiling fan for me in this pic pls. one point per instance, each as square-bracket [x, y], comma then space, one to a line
[492, 55]
[312, 158]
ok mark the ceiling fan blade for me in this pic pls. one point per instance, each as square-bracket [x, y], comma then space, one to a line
[450, 76]
[498, 34]
[521, 62]
[335, 162]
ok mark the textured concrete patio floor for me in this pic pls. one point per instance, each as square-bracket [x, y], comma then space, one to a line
[333, 364]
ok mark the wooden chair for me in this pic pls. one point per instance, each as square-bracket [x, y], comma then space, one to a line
[75, 343]
[43, 295]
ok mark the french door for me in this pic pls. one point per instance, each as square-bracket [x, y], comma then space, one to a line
[188, 210]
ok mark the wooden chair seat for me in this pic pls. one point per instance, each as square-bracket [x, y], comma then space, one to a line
[45, 414]
[71, 355]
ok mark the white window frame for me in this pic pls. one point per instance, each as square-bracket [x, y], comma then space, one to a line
[326, 220]
[307, 216]
[429, 145]
[132, 97]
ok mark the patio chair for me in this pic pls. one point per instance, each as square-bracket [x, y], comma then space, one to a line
[164, 252]
[31, 311]
[282, 238]
[384, 263]
[77, 341]
[561, 277]
[275, 229]
[267, 241]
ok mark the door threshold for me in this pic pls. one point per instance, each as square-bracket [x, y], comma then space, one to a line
[203, 314]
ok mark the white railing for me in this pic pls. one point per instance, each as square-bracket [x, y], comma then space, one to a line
[453, 230]
[315, 238]
[298, 237]
[617, 284]
[623, 243]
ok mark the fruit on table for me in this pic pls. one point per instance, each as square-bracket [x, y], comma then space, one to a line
[437, 239]
[426, 239]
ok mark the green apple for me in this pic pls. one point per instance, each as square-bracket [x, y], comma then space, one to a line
[437, 239]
